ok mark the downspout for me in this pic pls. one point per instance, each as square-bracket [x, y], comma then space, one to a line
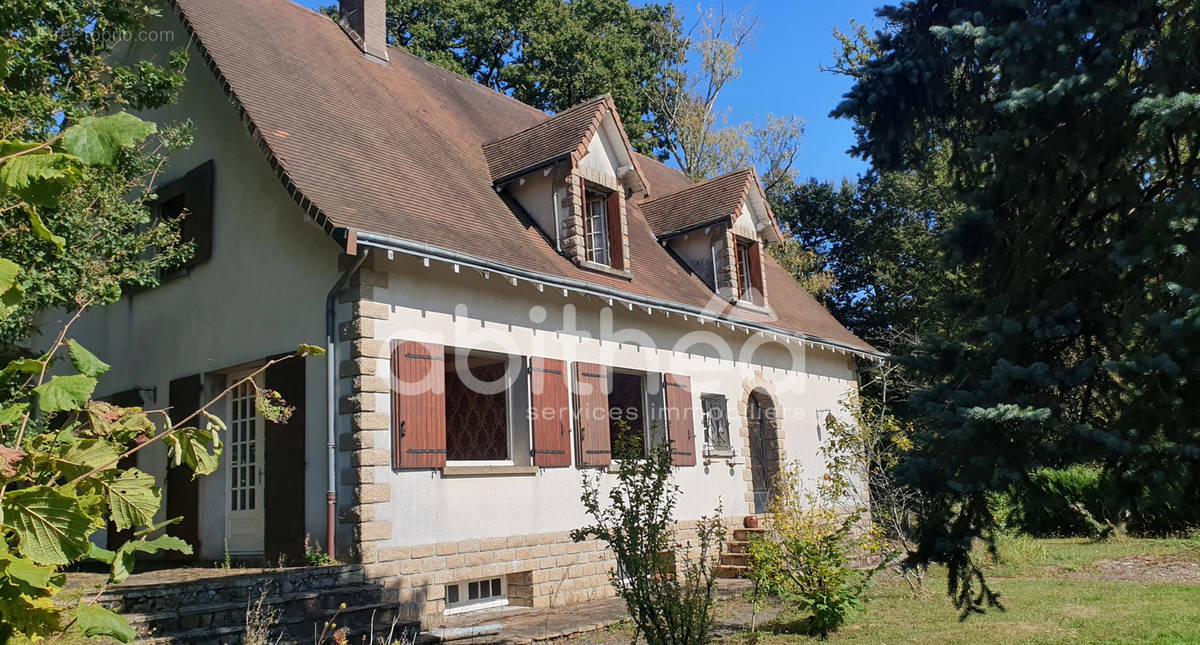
[331, 395]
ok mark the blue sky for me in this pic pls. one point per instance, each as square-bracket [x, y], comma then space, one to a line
[781, 75]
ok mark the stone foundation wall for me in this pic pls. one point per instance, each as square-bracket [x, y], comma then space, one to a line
[541, 570]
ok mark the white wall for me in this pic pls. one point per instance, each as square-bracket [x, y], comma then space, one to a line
[602, 156]
[471, 311]
[744, 225]
[696, 250]
[535, 193]
[262, 293]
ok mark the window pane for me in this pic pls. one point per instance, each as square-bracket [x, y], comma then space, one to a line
[473, 591]
[451, 594]
[626, 413]
[476, 421]
[596, 228]
[496, 587]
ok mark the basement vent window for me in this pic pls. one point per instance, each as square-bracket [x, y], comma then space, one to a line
[476, 594]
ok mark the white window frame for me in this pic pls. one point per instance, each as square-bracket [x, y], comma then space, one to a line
[599, 252]
[745, 280]
[463, 605]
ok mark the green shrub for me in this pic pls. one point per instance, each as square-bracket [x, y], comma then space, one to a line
[1068, 502]
[669, 586]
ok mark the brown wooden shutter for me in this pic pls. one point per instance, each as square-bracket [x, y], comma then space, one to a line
[198, 225]
[756, 273]
[681, 427]
[183, 489]
[551, 413]
[418, 405]
[616, 245]
[283, 466]
[591, 407]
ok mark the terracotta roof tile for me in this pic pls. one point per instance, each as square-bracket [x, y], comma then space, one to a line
[388, 149]
[697, 204]
[554, 138]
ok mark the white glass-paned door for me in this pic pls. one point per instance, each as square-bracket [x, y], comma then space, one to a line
[244, 457]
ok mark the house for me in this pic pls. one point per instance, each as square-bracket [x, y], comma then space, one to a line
[505, 292]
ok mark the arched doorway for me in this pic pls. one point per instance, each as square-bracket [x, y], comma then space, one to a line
[762, 424]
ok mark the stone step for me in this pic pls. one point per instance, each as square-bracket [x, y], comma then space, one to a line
[732, 571]
[737, 559]
[317, 603]
[737, 546]
[744, 534]
[235, 587]
[296, 628]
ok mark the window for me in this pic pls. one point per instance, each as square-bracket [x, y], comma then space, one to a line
[476, 594]
[595, 228]
[749, 273]
[627, 409]
[479, 404]
[716, 422]
[602, 238]
[190, 198]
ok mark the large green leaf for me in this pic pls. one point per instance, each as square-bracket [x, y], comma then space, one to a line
[94, 620]
[123, 560]
[62, 393]
[38, 177]
[133, 498]
[97, 140]
[51, 527]
[26, 573]
[85, 361]
[11, 293]
[9, 271]
[81, 457]
[199, 449]
[39, 229]
[11, 414]
[22, 366]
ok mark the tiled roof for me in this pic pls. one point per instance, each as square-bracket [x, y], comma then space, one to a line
[558, 136]
[698, 204]
[388, 149]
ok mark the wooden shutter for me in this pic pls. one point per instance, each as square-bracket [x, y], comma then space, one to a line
[551, 413]
[591, 407]
[194, 193]
[418, 405]
[283, 466]
[183, 489]
[198, 225]
[681, 427]
[616, 246]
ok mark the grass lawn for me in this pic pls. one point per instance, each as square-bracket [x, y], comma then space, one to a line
[1055, 591]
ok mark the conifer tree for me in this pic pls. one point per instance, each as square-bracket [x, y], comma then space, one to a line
[1072, 133]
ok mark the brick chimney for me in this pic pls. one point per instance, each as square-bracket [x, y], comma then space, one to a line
[365, 21]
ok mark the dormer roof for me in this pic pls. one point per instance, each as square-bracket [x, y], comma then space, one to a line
[719, 199]
[564, 136]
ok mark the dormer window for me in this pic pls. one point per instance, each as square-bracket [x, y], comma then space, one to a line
[749, 272]
[595, 229]
[602, 225]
